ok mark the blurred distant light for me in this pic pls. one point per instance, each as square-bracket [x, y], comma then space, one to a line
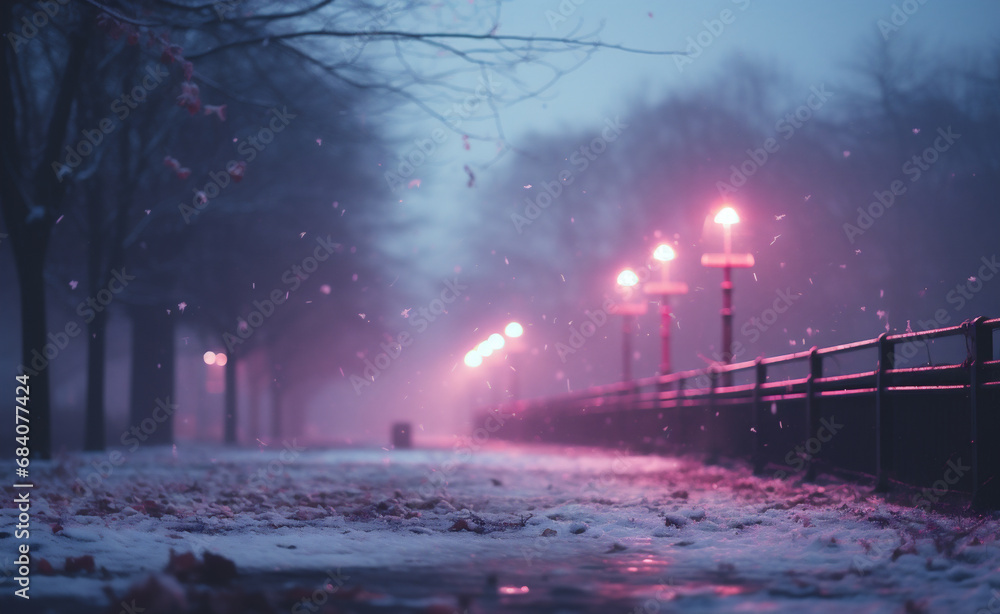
[484, 349]
[473, 359]
[664, 253]
[513, 330]
[325, 288]
[628, 278]
[496, 341]
[221, 359]
[209, 358]
[727, 216]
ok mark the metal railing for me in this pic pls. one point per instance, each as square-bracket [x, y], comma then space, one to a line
[934, 425]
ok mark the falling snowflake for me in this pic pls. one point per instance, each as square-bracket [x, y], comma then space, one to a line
[527, 187]
[405, 313]
[361, 315]
[182, 306]
[847, 154]
[319, 142]
[778, 218]
[73, 284]
[302, 234]
[774, 239]
[414, 183]
[325, 289]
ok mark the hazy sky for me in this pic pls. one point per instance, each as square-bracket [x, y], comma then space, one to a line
[813, 42]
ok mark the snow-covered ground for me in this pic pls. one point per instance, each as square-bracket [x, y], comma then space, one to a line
[503, 528]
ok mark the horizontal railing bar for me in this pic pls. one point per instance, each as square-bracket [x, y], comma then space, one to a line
[838, 379]
[785, 383]
[935, 333]
[847, 392]
[847, 347]
[794, 396]
[785, 358]
[945, 388]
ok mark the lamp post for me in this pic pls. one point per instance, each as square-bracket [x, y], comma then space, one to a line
[514, 332]
[727, 261]
[511, 338]
[627, 281]
[214, 382]
[664, 289]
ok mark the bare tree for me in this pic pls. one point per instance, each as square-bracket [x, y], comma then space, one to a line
[43, 101]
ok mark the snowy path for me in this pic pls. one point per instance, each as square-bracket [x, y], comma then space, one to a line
[506, 529]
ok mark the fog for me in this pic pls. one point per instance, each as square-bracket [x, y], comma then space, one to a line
[345, 218]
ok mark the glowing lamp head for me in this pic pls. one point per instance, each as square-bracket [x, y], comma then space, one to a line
[664, 253]
[513, 330]
[221, 359]
[628, 278]
[496, 341]
[473, 359]
[727, 216]
[484, 349]
[209, 358]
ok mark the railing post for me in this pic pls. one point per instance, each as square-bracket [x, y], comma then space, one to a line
[985, 455]
[677, 421]
[812, 405]
[760, 376]
[883, 414]
[707, 434]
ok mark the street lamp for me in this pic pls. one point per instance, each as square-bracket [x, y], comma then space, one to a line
[513, 330]
[511, 339]
[473, 359]
[664, 289]
[627, 280]
[727, 261]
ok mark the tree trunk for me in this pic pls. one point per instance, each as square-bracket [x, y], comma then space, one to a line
[230, 409]
[152, 383]
[277, 400]
[34, 328]
[253, 422]
[94, 438]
